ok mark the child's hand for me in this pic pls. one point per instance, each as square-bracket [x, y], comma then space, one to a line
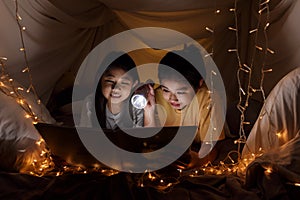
[150, 98]
[149, 110]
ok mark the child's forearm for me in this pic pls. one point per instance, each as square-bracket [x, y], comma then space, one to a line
[149, 118]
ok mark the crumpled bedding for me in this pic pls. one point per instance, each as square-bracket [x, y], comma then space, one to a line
[275, 139]
[279, 183]
[257, 184]
[276, 171]
[123, 186]
[120, 186]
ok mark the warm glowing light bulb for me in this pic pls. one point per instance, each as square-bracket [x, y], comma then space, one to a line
[209, 54]
[268, 70]
[19, 17]
[268, 170]
[169, 184]
[259, 48]
[25, 69]
[271, 51]
[232, 50]
[254, 30]
[232, 29]
[279, 134]
[244, 93]
[209, 29]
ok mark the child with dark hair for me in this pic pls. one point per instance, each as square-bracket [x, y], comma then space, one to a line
[184, 99]
[111, 102]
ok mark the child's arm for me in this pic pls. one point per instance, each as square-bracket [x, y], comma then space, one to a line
[149, 110]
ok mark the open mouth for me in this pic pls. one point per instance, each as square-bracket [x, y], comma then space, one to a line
[115, 95]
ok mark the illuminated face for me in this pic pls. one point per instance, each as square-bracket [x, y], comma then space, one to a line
[116, 85]
[178, 93]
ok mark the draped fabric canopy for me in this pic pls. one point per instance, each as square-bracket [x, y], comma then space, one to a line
[60, 34]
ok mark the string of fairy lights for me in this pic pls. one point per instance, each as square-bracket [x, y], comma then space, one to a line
[26, 69]
[229, 165]
[7, 84]
[39, 161]
[246, 70]
[212, 74]
[8, 87]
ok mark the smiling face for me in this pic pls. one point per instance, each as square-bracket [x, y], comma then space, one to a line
[178, 93]
[116, 85]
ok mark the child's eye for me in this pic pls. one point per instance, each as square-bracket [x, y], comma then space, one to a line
[109, 82]
[165, 90]
[181, 92]
[125, 83]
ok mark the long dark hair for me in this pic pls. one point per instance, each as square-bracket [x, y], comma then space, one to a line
[124, 62]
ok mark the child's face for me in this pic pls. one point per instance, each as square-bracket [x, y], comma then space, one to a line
[116, 85]
[178, 93]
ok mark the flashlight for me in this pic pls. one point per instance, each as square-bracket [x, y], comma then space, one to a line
[139, 99]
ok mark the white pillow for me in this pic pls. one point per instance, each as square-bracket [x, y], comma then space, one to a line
[279, 118]
[18, 136]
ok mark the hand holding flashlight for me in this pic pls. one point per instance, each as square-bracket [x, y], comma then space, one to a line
[143, 94]
[143, 98]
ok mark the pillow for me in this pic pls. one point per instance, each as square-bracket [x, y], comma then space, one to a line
[279, 118]
[20, 142]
